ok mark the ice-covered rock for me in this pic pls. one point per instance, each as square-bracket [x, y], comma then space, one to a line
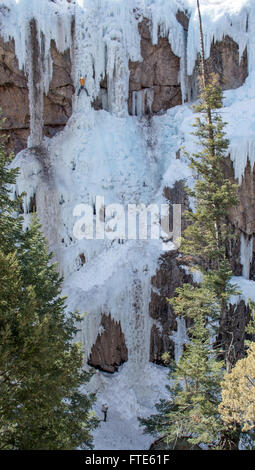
[109, 157]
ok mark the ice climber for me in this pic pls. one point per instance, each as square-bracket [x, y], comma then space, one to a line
[82, 85]
[104, 410]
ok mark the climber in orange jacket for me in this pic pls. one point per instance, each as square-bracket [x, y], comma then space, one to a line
[82, 85]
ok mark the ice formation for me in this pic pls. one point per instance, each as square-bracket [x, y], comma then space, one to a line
[246, 254]
[179, 338]
[142, 102]
[245, 288]
[123, 159]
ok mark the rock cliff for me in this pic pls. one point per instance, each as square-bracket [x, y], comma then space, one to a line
[154, 87]
[14, 97]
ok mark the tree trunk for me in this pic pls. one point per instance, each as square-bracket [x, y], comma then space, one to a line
[204, 74]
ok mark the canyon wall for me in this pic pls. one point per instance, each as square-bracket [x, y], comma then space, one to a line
[154, 87]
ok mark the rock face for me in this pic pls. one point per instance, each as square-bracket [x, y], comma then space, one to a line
[224, 64]
[58, 102]
[232, 331]
[224, 61]
[14, 96]
[109, 350]
[168, 277]
[157, 72]
[155, 81]
[244, 215]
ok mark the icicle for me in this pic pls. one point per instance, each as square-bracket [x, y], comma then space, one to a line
[134, 103]
[142, 101]
[117, 79]
[34, 68]
[246, 254]
[149, 97]
[138, 97]
[179, 338]
[240, 152]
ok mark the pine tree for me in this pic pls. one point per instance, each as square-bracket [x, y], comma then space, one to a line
[62, 419]
[10, 226]
[191, 413]
[16, 312]
[42, 405]
[208, 232]
[195, 394]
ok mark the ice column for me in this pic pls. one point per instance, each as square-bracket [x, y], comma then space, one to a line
[246, 254]
[142, 101]
[117, 78]
[179, 338]
[35, 80]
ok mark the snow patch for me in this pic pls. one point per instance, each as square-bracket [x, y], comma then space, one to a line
[246, 288]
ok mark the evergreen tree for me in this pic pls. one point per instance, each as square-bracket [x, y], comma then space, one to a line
[16, 312]
[42, 405]
[10, 226]
[62, 412]
[197, 393]
[191, 413]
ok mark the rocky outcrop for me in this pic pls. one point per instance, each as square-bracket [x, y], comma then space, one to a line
[244, 215]
[14, 96]
[168, 277]
[158, 72]
[156, 76]
[171, 275]
[224, 61]
[232, 331]
[109, 350]
[58, 102]
[224, 64]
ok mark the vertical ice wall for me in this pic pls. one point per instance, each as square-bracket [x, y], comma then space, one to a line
[106, 38]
